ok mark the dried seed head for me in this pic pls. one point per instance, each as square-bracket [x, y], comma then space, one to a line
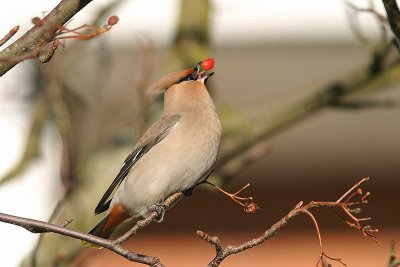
[37, 21]
[113, 20]
[251, 207]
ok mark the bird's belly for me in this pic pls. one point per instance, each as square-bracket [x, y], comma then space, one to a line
[158, 175]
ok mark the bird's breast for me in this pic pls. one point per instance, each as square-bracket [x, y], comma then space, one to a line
[178, 162]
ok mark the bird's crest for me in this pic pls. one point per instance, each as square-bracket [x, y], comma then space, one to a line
[182, 75]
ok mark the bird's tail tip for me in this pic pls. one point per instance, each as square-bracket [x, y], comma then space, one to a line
[90, 245]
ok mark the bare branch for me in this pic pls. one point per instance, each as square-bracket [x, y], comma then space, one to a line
[344, 203]
[36, 226]
[249, 207]
[9, 35]
[30, 44]
[47, 30]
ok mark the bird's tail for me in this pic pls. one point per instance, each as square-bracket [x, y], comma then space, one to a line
[100, 231]
[107, 225]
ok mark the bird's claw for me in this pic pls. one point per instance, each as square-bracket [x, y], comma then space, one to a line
[160, 210]
[188, 193]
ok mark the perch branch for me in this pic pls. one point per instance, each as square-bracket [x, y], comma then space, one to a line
[168, 203]
[36, 226]
[353, 197]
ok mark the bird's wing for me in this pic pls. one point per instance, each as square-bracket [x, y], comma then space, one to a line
[152, 137]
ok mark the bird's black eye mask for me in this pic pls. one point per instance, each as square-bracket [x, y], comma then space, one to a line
[193, 76]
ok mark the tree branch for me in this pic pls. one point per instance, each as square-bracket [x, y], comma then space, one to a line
[348, 203]
[31, 43]
[345, 203]
[36, 226]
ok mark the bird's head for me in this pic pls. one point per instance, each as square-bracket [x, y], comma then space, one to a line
[185, 90]
[197, 73]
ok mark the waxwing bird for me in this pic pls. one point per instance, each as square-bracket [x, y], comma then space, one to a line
[176, 153]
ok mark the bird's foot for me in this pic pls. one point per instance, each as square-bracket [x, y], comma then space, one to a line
[249, 207]
[188, 193]
[160, 210]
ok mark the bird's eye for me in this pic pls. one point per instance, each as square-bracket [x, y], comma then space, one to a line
[187, 78]
[193, 76]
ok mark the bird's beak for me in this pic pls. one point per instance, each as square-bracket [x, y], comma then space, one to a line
[205, 77]
[200, 75]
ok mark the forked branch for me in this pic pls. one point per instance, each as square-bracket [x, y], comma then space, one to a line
[348, 203]
[249, 207]
[36, 226]
[48, 32]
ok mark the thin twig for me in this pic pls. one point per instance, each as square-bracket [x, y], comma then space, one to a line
[249, 207]
[47, 30]
[38, 36]
[355, 25]
[9, 35]
[342, 203]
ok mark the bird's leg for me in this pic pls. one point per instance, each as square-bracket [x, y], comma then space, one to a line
[249, 207]
[159, 208]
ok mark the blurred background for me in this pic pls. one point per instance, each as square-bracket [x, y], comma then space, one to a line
[307, 92]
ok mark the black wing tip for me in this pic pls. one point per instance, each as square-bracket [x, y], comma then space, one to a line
[102, 207]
